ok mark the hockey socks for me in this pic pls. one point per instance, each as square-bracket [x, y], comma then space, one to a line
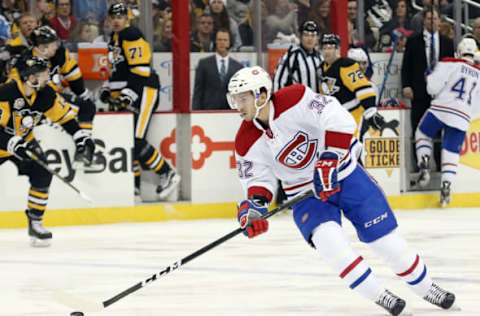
[406, 264]
[37, 201]
[152, 160]
[331, 243]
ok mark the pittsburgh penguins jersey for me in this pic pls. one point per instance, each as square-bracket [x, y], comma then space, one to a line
[130, 56]
[344, 80]
[17, 45]
[19, 114]
[63, 68]
[301, 125]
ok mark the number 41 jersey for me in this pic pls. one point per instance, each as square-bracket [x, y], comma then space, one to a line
[455, 87]
[302, 124]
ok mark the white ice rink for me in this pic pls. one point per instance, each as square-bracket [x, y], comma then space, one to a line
[274, 274]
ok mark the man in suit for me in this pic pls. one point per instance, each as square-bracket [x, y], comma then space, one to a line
[419, 59]
[213, 74]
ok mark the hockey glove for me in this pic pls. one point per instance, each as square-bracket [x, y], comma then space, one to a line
[250, 218]
[85, 147]
[104, 94]
[325, 175]
[374, 119]
[128, 97]
[23, 150]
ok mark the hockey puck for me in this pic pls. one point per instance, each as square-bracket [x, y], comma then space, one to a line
[76, 314]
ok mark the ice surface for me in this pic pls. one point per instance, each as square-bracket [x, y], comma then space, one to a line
[274, 274]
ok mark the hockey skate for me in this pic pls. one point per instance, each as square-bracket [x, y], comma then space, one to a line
[438, 296]
[424, 176]
[168, 182]
[445, 193]
[392, 303]
[39, 236]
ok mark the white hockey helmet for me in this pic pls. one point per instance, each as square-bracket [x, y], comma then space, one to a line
[467, 47]
[250, 79]
[358, 55]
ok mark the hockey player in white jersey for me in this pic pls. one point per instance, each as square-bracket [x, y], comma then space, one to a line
[455, 87]
[305, 140]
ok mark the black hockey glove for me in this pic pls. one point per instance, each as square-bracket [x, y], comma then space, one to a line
[22, 150]
[373, 118]
[85, 147]
[104, 94]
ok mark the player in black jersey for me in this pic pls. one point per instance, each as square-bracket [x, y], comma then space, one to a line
[343, 79]
[24, 102]
[64, 70]
[134, 83]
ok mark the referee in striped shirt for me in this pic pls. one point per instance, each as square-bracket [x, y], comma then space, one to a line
[301, 63]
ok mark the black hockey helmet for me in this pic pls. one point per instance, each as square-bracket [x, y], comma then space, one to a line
[309, 26]
[28, 65]
[118, 9]
[43, 35]
[330, 39]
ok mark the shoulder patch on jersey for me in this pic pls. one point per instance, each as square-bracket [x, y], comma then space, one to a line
[131, 33]
[286, 98]
[246, 136]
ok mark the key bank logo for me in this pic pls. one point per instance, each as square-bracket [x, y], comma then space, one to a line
[299, 152]
[470, 152]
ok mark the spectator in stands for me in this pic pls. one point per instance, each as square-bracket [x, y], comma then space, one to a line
[64, 23]
[213, 74]
[446, 28]
[476, 31]
[240, 11]
[202, 39]
[90, 10]
[87, 31]
[163, 40]
[399, 22]
[355, 37]
[26, 23]
[320, 13]
[12, 10]
[222, 20]
[419, 58]
[105, 34]
[416, 22]
[282, 18]
[44, 11]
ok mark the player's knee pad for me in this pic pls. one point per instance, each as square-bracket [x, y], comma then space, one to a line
[38, 176]
[332, 244]
[86, 111]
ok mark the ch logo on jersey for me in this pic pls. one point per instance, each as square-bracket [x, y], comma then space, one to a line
[328, 86]
[299, 152]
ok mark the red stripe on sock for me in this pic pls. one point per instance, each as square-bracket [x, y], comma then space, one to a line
[410, 270]
[351, 267]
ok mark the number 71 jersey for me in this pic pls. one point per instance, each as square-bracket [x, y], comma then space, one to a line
[455, 88]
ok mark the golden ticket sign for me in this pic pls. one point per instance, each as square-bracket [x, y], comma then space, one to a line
[382, 152]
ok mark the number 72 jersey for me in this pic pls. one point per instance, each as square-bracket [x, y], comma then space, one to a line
[455, 88]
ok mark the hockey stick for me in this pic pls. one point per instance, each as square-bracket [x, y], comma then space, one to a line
[85, 306]
[387, 70]
[56, 174]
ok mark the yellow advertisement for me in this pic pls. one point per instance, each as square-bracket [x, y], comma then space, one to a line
[382, 152]
[470, 153]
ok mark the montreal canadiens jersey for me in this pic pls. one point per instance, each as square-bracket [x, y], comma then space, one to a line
[302, 124]
[130, 56]
[345, 81]
[19, 114]
[455, 87]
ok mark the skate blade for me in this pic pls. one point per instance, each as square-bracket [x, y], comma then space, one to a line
[39, 243]
[168, 190]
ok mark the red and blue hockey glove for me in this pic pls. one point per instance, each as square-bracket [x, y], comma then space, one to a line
[250, 218]
[325, 175]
